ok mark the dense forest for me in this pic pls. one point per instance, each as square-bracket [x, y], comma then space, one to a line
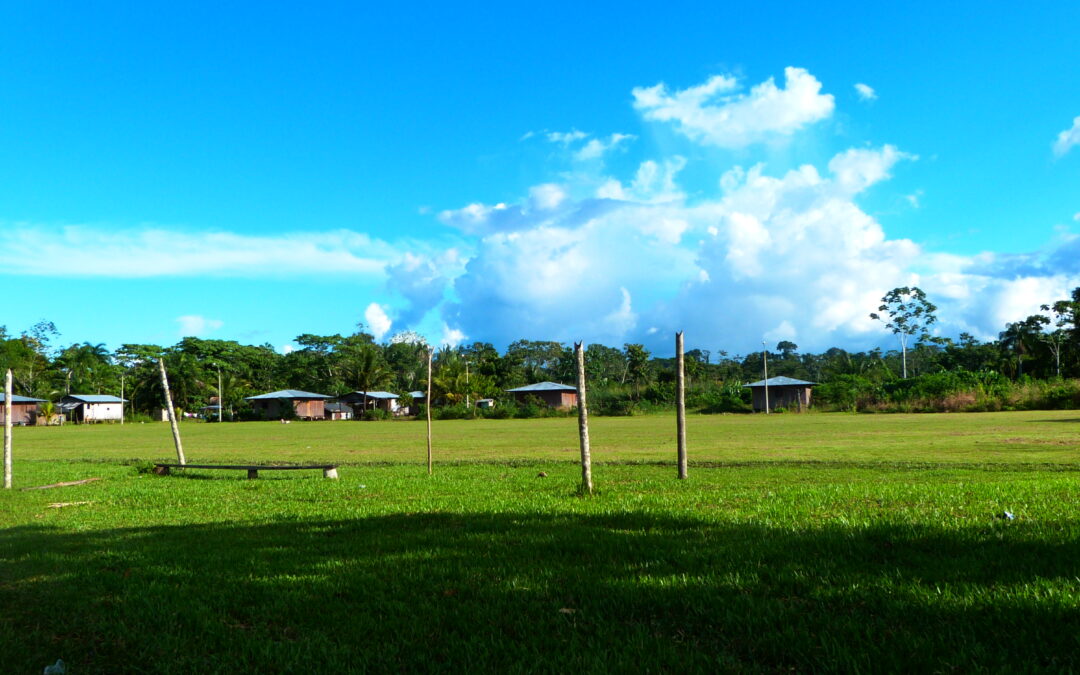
[1032, 364]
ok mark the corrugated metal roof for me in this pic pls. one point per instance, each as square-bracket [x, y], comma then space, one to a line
[372, 394]
[418, 394]
[544, 386]
[94, 398]
[780, 382]
[287, 393]
[15, 398]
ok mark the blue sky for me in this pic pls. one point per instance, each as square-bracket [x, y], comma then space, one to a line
[256, 171]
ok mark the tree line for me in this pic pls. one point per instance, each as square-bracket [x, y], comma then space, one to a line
[1043, 348]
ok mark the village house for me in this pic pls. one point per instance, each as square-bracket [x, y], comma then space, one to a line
[418, 399]
[362, 401]
[84, 408]
[553, 394]
[23, 409]
[304, 404]
[339, 411]
[783, 392]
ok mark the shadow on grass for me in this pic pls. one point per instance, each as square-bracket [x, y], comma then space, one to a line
[624, 592]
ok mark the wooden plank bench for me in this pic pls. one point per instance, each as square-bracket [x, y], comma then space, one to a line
[329, 470]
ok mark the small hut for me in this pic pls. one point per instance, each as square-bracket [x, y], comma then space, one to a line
[783, 392]
[305, 405]
[85, 408]
[553, 394]
[23, 409]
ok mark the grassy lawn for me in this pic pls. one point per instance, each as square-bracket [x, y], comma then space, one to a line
[814, 542]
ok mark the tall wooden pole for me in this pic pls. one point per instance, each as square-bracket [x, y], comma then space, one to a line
[427, 407]
[121, 399]
[680, 393]
[765, 364]
[220, 398]
[583, 421]
[172, 414]
[7, 430]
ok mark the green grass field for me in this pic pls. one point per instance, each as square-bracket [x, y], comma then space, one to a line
[813, 542]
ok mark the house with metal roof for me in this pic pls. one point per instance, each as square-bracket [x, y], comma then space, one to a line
[553, 394]
[362, 401]
[305, 405]
[339, 411]
[781, 392]
[23, 409]
[92, 408]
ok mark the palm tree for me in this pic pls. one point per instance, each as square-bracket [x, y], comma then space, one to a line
[365, 367]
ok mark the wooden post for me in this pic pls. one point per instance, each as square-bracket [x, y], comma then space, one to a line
[680, 394]
[7, 430]
[172, 414]
[583, 421]
[121, 399]
[765, 363]
[427, 406]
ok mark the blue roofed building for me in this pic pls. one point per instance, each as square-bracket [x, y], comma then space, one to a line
[92, 408]
[23, 409]
[362, 401]
[304, 404]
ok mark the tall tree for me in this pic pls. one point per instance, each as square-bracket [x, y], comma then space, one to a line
[908, 314]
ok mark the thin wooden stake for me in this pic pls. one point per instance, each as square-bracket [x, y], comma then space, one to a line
[7, 430]
[680, 392]
[427, 406]
[172, 414]
[583, 421]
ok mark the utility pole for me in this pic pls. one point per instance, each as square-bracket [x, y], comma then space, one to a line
[765, 362]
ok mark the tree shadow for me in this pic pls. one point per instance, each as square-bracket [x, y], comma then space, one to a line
[537, 592]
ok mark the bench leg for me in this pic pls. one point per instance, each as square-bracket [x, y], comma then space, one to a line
[253, 473]
[329, 473]
[161, 470]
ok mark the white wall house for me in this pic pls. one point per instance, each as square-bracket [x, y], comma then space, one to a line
[92, 408]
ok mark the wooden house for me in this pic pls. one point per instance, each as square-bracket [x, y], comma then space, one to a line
[553, 394]
[23, 409]
[783, 392]
[84, 408]
[304, 404]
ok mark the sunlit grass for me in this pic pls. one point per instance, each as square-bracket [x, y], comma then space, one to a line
[817, 542]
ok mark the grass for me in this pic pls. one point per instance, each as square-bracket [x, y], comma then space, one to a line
[815, 542]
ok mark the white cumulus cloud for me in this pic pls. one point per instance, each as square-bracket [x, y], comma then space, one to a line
[714, 113]
[865, 92]
[1068, 138]
[377, 320]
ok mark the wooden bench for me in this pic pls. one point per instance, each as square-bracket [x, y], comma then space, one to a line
[329, 470]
